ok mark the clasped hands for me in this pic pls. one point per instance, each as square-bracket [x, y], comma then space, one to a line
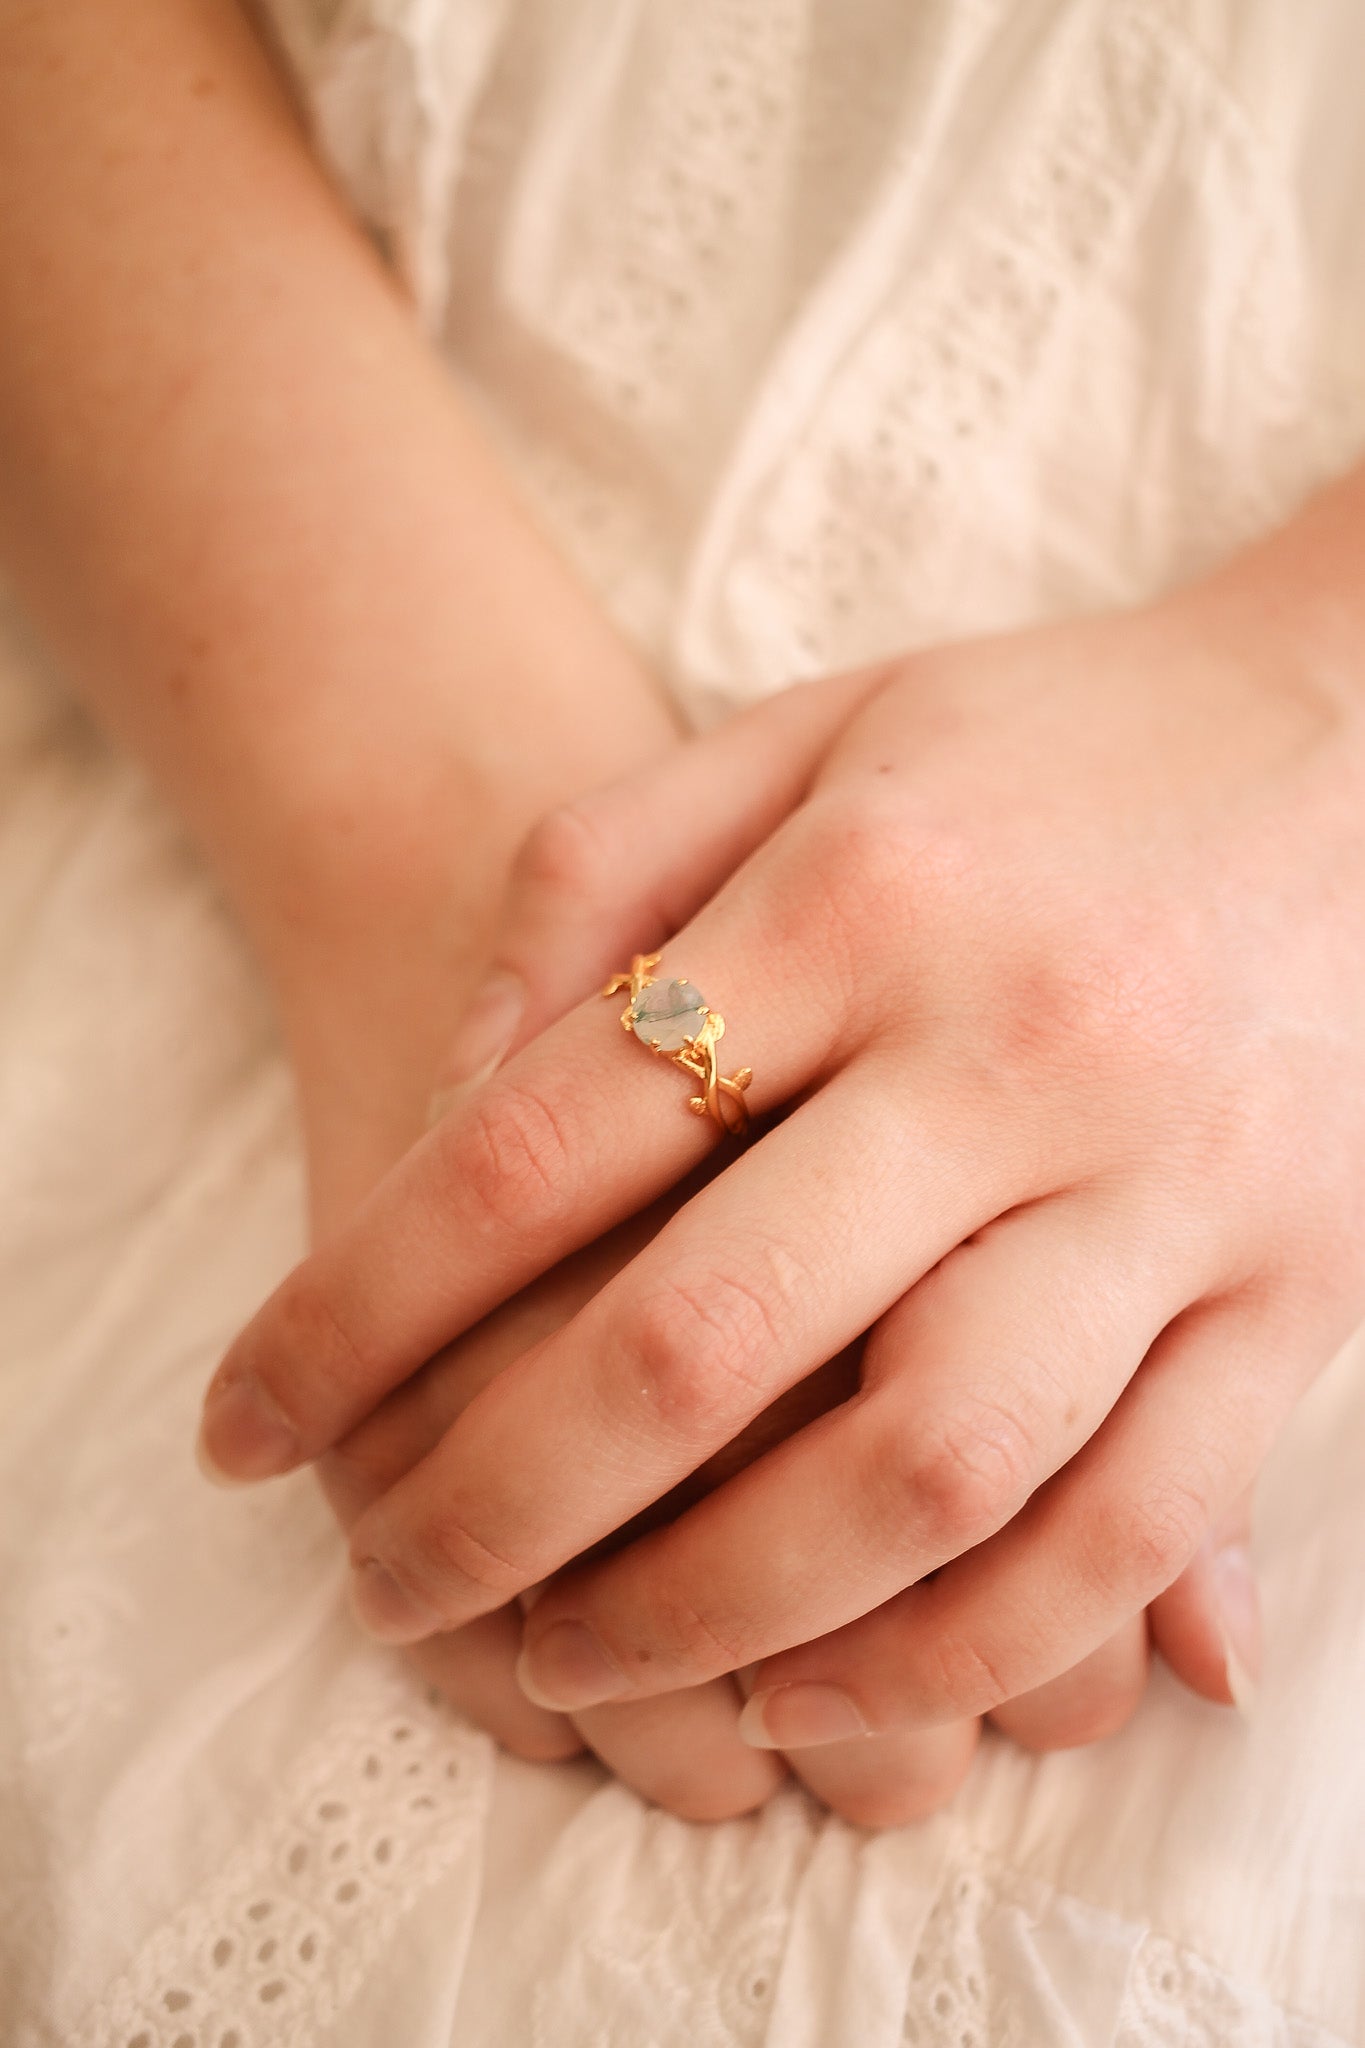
[943, 1398]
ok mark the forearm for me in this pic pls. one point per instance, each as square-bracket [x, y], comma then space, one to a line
[239, 492]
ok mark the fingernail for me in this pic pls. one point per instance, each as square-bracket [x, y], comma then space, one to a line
[567, 1668]
[800, 1717]
[243, 1435]
[485, 1031]
[1238, 1607]
[387, 1610]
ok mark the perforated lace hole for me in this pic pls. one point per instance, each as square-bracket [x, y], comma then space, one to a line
[184, 2041]
[917, 1968]
[338, 1852]
[372, 1767]
[346, 1893]
[943, 2004]
[453, 1768]
[402, 1733]
[308, 1948]
[423, 1803]
[222, 1952]
[266, 1951]
[383, 1850]
[142, 2040]
[298, 1856]
[268, 1993]
[176, 2001]
[231, 2039]
[258, 1909]
[332, 1809]
[1167, 1981]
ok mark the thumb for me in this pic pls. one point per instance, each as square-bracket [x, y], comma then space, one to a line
[1207, 1625]
[619, 871]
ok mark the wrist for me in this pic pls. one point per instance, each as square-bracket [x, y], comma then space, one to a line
[1292, 606]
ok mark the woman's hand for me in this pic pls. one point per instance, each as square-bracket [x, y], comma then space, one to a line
[1058, 972]
[561, 928]
[684, 1750]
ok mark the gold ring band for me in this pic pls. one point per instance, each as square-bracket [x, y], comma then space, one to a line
[677, 1024]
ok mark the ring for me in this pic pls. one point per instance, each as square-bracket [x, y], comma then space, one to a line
[672, 1019]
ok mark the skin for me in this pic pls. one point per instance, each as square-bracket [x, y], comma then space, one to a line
[246, 505]
[244, 501]
[685, 1750]
[579, 902]
[1071, 1047]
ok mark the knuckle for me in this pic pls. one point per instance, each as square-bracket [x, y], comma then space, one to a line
[700, 1347]
[512, 1158]
[315, 1352]
[688, 1641]
[966, 1681]
[862, 863]
[961, 1479]
[446, 1555]
[1135, 1554]
[569, 853]
[866, 853]
[1115, 999]
[1165, 1531]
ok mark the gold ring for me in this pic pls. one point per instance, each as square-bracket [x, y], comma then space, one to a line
[676, 1023]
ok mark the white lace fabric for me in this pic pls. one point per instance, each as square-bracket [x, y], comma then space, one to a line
[812, 333]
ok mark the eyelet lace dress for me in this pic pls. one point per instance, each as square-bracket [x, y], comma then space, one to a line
[813, 332]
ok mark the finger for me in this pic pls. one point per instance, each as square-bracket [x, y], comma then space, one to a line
[683, 1751]
[1207, 1625]
[581, 1130]
[1103, 1539]
[887, 1781]
[474, 1667]
[879, 1781]
[677, 1354]
[1091, 1700]
[599, 880]
[982, 1381]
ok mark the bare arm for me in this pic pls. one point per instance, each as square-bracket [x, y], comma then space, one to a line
[240, 493]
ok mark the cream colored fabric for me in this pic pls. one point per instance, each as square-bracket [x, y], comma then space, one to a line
[813, 331]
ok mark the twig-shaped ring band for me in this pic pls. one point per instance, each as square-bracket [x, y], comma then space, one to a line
[673, 1020]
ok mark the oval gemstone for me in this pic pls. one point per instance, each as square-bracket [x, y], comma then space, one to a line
[667, 1014]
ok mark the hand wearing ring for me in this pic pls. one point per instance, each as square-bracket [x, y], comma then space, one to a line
[1043, 1089]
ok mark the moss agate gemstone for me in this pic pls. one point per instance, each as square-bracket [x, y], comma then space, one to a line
[667, 1014]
